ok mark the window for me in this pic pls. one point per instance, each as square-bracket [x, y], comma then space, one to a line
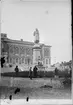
[13, 60]
[28, 51]
[16, 60]
[10, 60]
[23, 60]
[20, 61]
[11, 49]
[16, 50]
[21, 50]
[46, 61]
[46, 52]
[28, 60]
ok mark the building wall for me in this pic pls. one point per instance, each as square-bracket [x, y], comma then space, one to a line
[46, 56]
[21, 53]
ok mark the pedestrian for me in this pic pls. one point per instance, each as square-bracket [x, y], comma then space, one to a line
[10, 97]
[17, 90]
[16, 69]
[30, 73]
[27, 99]
[35, 72]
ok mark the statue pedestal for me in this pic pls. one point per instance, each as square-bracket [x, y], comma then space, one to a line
[36, 54]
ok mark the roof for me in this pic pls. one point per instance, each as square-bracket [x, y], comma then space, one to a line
[4, 36]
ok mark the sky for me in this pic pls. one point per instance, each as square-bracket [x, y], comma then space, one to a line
[20, 18]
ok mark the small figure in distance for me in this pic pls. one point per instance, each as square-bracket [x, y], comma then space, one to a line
[10, 97]
[30, 73]
[56, 72]
[35, 72]
[27, 99]
[17, 90]
[2, 61]
[16, 69]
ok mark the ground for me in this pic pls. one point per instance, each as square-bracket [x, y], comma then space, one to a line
[37, 88]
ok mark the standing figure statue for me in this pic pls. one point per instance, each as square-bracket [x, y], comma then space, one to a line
[36, 34]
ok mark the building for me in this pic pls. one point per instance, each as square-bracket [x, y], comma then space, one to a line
[63, 66]
[19, 52]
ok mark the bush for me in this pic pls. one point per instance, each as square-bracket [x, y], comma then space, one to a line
[63, 74]
[45, 74]
[67, 82]
[49, 74]
[40, 74]
[14, 74]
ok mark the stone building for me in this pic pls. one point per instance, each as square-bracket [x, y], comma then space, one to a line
[24, 53]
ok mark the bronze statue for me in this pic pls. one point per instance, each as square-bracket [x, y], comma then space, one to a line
[36, 34]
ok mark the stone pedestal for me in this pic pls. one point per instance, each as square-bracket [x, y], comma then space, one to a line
[36, 54]
[37, 51]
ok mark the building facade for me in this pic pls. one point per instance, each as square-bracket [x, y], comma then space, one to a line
[19, 52]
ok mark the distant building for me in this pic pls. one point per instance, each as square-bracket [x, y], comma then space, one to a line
[63, 66]
[19, 52]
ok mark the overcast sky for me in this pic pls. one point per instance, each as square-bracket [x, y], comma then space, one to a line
[52, 18]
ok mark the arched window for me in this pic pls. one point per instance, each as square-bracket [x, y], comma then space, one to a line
[22, 59]
[11, 49]
[13, 60]
[28, 51]
[16, 49]
[16, 60]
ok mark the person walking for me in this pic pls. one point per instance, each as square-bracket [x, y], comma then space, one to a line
[16, 69]
[30, 73]
[35, 72]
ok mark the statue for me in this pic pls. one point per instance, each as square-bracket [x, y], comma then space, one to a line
[36, 34]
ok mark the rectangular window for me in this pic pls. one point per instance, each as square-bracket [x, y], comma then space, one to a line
[25, 61]
[10, 60]
[46, 52]
[13, 60]
[20, 61]
[46, 61]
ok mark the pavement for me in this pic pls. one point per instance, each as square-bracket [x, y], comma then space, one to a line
[37, 102]
[27, 82]
[33, 88]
